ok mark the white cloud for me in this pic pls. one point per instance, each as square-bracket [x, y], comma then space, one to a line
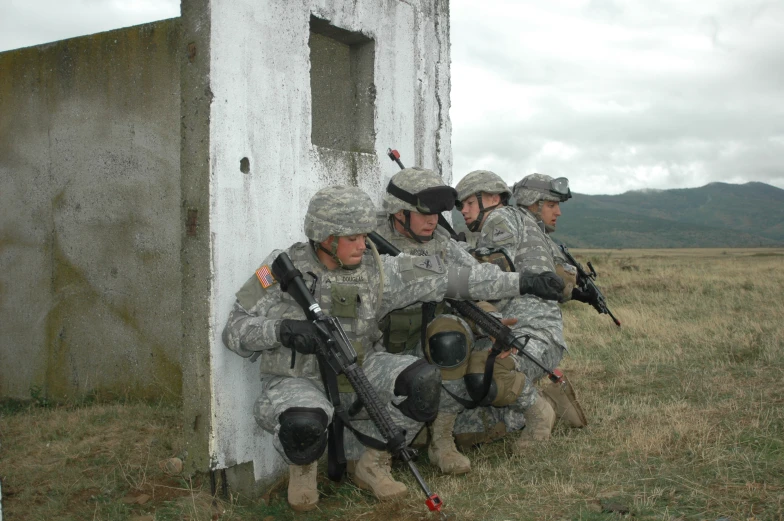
[614, 94]
[657, 94]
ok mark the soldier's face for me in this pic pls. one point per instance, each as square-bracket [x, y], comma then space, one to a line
[351, 248]
[551, 210]
[422, 224]
[470, 209]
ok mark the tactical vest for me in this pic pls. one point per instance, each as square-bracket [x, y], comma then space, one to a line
[349, 295]
[402, 328]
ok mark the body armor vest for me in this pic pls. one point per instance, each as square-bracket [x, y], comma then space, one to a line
[402, 329]
[349, 295]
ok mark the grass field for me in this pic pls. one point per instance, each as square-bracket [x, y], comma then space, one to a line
[685, 403]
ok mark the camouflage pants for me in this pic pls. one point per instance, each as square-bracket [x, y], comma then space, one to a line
[283, 392]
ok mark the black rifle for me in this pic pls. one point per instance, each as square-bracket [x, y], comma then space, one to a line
[586, 285]
[336, 354]
[394, 155]
[505, 339]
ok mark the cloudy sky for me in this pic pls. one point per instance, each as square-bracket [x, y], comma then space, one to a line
[616, 95]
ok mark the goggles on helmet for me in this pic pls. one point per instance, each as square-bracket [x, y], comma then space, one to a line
[557, 187]
[429, 201]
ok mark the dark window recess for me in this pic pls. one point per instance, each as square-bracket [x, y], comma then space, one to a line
[343, 95]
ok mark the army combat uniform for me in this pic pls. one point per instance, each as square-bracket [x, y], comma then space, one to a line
[514, 234]
[293, 406]
[446, 340]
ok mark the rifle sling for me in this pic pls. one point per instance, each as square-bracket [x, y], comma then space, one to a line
[448, 227]
[487, 380]
[336, 451]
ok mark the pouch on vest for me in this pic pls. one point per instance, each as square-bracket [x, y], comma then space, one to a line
[345, 301]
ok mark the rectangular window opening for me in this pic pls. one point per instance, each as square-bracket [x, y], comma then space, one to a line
[343, 95]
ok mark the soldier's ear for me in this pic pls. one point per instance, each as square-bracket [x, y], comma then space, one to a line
[327, 243]
[493, 199]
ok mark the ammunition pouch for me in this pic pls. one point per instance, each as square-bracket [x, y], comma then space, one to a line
[497, 256]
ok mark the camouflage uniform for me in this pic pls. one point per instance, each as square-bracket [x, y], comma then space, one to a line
[359, 299]
[447, 339]
[402, 328]
[522, 237]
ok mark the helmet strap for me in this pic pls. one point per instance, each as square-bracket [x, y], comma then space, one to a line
[477, 223]
[333, 253]
[421, 239]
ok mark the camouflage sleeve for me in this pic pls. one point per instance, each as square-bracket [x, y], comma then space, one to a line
[558, 256]
[253, 321]
[533, 254]
[409, 279]
[498, 231]
[457, 255]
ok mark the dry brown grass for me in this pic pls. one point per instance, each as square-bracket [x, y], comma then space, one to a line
[685, 402]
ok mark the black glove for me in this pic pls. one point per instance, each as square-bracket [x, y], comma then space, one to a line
[547, 285]
[583, 294]
[300, 335]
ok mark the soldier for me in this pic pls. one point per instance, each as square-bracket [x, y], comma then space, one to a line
[358, 289]
[421, 329]
[517, 233]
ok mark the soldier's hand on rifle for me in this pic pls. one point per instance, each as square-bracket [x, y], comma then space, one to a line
[586, 295]
[300, 335]
[547, 285]
[509, 322]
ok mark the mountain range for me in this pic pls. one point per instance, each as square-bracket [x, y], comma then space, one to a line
[717, 215]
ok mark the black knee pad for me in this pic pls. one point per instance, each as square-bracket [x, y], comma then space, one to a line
[475, 385]
[448, 346]
[420, 382]
[303, 434]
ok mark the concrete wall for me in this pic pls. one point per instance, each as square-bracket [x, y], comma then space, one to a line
[89, 215]
[250, 167]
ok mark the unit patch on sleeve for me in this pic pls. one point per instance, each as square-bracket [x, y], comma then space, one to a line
[265, 276]
[501, 233]
[430, 263]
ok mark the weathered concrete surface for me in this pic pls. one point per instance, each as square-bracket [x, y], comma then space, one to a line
[89, 216]
[249, 163]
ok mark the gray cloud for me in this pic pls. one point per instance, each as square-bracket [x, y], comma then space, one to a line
[622, 95]
[615, 94]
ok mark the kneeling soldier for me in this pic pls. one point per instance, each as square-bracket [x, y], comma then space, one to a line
[358, 289]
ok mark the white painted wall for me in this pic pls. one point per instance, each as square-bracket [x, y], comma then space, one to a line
[261, 110]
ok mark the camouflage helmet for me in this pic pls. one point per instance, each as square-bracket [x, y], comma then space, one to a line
[481, 181]
[539, 187]
[425, 190]
[339, 211]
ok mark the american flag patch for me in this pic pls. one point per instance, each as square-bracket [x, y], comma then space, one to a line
[265, 276]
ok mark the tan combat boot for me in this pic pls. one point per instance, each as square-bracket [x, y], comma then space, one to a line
[373, 472]
[539, 422]
[303, 493]
[442, 450]
[567, 407]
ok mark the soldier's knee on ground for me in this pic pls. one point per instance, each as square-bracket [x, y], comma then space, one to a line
[449, 343]
[420, 383]
[507, 382]
[475, 380]
[303, 434]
